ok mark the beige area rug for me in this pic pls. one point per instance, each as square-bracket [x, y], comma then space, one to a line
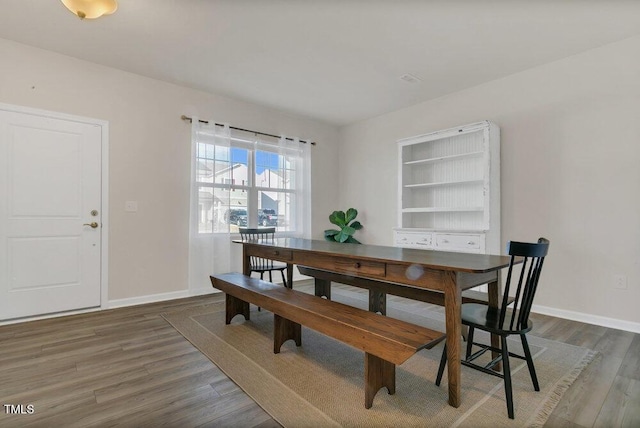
[321, 383]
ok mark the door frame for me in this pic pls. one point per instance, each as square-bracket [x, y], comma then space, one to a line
[104, 198]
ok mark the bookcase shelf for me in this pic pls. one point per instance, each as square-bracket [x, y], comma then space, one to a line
[442, 183]
[441, 209]
[444, 158]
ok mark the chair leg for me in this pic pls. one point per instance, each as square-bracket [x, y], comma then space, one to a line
[532, 370]
[261, 278]
[507, 377]
[270, 277]
[284, 280]
[443, 363]
[469, 342]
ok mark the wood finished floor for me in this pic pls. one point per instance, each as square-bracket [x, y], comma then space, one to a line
[128, 367]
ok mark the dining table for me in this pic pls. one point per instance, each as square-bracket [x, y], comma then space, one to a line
[447, 272]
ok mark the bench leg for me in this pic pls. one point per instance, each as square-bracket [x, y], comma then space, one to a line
[377, 374]
[283, 330]
[378, 301]
[235, 306]
[323, 288]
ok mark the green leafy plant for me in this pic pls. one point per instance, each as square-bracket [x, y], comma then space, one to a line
[347, 224]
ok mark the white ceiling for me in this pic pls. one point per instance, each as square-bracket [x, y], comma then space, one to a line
[336, 61]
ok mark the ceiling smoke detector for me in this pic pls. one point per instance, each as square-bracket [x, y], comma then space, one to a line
[410, 78]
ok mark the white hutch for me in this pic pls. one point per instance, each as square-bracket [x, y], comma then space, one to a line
[449, 190]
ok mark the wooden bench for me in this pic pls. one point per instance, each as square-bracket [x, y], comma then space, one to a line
[385, 341]
[378, 290]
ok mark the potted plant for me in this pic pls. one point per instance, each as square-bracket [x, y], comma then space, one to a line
[347, 224]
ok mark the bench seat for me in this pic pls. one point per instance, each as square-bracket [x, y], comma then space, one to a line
[385, 341]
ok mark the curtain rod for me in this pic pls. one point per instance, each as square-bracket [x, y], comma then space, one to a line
[183, 117]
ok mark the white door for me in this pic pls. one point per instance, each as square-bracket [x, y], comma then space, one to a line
[50, 193]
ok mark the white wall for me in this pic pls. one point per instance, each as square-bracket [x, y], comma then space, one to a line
[570, 172]
[149, 154]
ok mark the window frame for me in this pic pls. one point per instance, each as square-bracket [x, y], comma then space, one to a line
[250, 187]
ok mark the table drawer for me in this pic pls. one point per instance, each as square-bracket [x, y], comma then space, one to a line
[473, 243]
[272, 253]
[367, 268]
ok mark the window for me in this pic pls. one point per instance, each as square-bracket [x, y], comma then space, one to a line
[249, 183]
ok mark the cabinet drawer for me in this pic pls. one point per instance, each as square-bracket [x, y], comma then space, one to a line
[422, 240]
[273, 254]
[472, 243]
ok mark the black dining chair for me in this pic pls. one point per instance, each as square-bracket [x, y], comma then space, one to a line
[259, 264]
[506, 321]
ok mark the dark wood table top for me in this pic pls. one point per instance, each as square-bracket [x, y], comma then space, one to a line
[440, 260]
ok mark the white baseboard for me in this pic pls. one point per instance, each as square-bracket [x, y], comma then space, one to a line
[153, 298]
[633, 327]
[203, 291]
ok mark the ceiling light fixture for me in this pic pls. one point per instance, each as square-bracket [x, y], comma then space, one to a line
[90, 9]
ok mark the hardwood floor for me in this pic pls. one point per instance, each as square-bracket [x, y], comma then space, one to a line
[128, 367]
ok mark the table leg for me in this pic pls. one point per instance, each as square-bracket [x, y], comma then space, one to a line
[452, 305]
[289, 275]
[322, 288]
[246, 262]
[377, 301]
[494, 293]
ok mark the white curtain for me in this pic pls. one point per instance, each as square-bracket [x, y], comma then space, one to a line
[303, 183]
[210, 247]
[209, 252]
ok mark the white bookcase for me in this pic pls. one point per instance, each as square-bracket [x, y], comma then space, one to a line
[449, 190]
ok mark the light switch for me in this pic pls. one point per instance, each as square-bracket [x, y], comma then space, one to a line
[131, 206]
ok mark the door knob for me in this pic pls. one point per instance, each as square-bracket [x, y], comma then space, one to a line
[92, 224]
